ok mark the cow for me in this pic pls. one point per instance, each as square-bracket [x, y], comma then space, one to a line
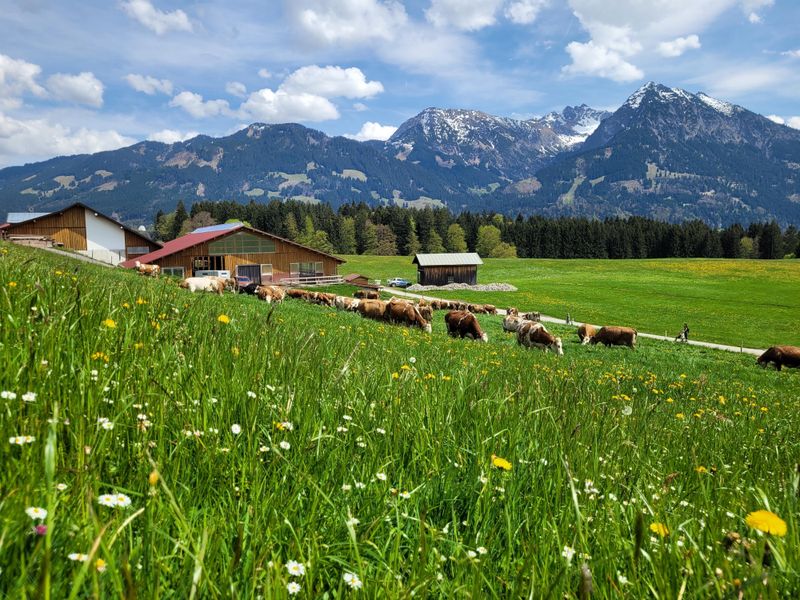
[533, 335]
[324, 298]
[249, 289]
[512, 312]
[372, 309]
[532, 316]
[615, 336]
[345, 303]
[426, 311]
[512, 323]
[405, 313]
[781, 356]
[271, 293]
[585, 333]
[462, 323]
[204, 284]
[148, 270]
[487, 309]
[367, 295]
[296, 293]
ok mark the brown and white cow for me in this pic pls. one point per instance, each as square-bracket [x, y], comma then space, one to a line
[405, 313]
[346, 303]
[204, 284]
[781, 356]
[585, 332]
[367, 295]
[534, 335]
[615, 336]
[271, 293]
[512, 323]
[532, 316]
[426, 311]
[512, 312]
[372, 309]
[148, 270]
[296, 293]
[462, 323]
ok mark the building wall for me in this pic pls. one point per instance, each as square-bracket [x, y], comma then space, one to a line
[134, 244]
[447, 274]
[105, 240]
[67, 228]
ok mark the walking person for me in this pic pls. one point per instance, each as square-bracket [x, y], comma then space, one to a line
[683, 336]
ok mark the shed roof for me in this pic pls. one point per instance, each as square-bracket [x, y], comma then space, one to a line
[19, 217]
[353, 277]
[447, 259]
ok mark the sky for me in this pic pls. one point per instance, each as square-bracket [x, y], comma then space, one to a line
[96, 75]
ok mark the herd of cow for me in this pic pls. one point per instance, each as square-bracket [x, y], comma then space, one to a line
[460, 318]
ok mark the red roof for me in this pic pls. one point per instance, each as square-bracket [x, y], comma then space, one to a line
[178, 244]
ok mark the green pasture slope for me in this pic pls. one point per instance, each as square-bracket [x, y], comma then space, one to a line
[387, 470]
[754, 303]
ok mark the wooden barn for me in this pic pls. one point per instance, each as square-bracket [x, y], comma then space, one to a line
[81, 228]
[242, 250]
[444, 268]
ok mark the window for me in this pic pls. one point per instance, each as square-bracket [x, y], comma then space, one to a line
[173, 271]
[208, 263]
[137, 250]
[266, 272]
[306, 269]
[242, 243]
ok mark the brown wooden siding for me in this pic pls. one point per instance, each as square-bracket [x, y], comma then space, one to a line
[281, 259]
[68, 228]
[133, 240]
[447, 274]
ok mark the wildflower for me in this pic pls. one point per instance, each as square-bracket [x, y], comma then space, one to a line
[152, 479]
[341, 429]
[296, 569]
[236, 429]
[701, 469]
[293, 588]
[225, 319]
[395, 375]
[353, 581]
[29, 397]
[110, 323]
[501, 463]
[352, 522]
[107, 500]
[251, 394]
[105, 423]
[766, 521]
[61, 487]
[78, 557]
[627, 410]
[6, 395]
[481, 550]
[35, 512]
[622, 579]
[285, 445]
[381, 431]
[40, 529]
[100, 565]
[20, 440]
[472, 553]
[12, 284]
[380, 476]
[122, 500]
[568, 553]
[660, 529]
[405, 495]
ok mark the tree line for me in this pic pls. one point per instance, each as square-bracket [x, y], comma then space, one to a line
[392, 230]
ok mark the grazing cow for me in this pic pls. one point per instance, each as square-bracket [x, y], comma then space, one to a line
[512, 323]
[250, 289]
[271, 293]
[426, 311]
[512, 312]
[462, 323]
[204, 284]
[372, 309]
[296, 293]
[615, 336]
[148, 270]
[781, 356]
[367, 295]
[405, 313]
[345, 303]
[585, 333]
[532, 316]
[533, 335]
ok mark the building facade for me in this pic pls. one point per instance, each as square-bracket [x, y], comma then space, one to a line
[444, 268]
[84, 230]
[244, 251]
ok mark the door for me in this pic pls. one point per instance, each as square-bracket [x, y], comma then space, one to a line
[251, 271]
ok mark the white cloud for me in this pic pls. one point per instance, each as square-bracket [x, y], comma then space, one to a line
[467, 15]
[37, 139]
[793, 122]
[283, 107]
[524, 12]
[777, 119]
[740, 79]
[679, 45]
[156, 20]
[197, 107]
[593, 59]
[373, 131]
[755, 18]
[83, 88]
[149, 85]
[751, 6]
[236, 88]
[349, 21]
[264, 73]
[331, 82]
[17, 77]
[360, 107]
[170, 136]
[792, 53]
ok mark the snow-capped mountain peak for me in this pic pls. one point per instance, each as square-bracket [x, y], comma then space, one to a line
[725, 108]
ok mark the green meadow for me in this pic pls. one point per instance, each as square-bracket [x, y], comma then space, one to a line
[738, 302]
[162, 444]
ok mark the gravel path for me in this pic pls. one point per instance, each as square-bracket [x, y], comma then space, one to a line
[726, 348]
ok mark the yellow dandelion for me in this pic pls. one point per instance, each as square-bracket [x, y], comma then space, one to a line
[110, 323]
[224, 319]
[235, 351]
[12, 284]
[152, 479]
[138, 346]
[501, 463]
[680, 416]
[767, 521]
[100, 565]
[701, 469]
[141, 301]
[395, 375]
[659, 529]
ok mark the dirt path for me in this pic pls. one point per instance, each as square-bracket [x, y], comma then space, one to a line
[738, 349]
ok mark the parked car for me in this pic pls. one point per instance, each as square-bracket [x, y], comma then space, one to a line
[243, 280]
[399, 282]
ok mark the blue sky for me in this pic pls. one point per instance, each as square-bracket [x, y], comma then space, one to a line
[100, 74]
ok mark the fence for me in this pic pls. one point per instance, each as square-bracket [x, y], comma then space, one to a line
[312, 280]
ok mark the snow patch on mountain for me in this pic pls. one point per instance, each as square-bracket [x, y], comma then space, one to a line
[725, 108]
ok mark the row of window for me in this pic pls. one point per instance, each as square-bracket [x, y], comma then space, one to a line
[241, 243]
[131, 250]
[306, 269]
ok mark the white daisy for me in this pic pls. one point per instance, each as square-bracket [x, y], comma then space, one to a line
[285, 445]
[295, 568]
[236, 429]
[35, 512]
[293, 588]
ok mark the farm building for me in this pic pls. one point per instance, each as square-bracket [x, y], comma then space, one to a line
[243, 251]
[441, 269]
[81, 228]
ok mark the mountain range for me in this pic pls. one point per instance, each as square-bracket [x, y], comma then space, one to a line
[665, 153]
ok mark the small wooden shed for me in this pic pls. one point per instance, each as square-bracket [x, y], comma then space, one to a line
[444, 268]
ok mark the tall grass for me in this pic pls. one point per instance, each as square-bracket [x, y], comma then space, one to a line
[386, 471]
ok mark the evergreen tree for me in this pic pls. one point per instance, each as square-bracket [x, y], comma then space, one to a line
[455, 238]
[731, 241]
[412, 240]
[770, 242]
[386, 241]
[290, 227]
[177, 223]
[370, 237]
[347, 236]
[434, 244]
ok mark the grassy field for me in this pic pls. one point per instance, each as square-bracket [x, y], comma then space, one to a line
[236, 437]
[739, 302]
